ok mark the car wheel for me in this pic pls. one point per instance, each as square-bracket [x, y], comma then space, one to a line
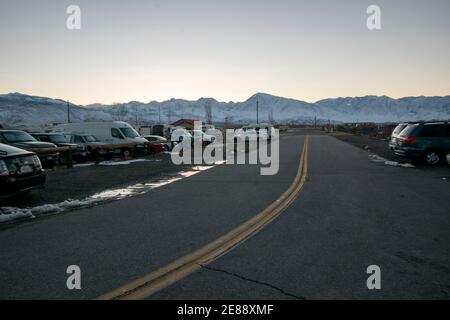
[126, 152]
[432, 157]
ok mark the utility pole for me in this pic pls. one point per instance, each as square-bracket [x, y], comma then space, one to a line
[257, 110]
[68, 112]
[159, 111]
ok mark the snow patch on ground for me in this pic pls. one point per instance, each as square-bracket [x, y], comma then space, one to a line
[378, 159]
[116, 163]
[9, 214]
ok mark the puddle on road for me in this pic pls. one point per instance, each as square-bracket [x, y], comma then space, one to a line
[11, 214]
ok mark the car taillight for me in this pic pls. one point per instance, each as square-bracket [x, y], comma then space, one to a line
[408, 139]
[4, 171]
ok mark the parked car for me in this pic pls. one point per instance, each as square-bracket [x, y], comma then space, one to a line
[157, 147]
[114, 132]
[79, 152]
[166, 143]
[23, 140]
[88, 142]
[427, 141]
[448, 158]
[20, 171]
[395, 134]
[108, 132]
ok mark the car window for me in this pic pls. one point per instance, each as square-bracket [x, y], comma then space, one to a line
[447, 130]
[78, 139]
[129, 132]
[56, 138]
[17, 136]
[408, 130]
[90, 138]
[432, 131]
[399, 128]
[115, 133]
[43, 138]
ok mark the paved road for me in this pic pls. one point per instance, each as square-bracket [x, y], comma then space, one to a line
[351, 213]
[120, 241]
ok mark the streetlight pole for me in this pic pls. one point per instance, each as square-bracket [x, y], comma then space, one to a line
[257, 110]
[68, 112]
[159, 111]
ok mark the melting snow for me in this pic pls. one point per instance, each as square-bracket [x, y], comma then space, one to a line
[8, 214]
[116, 163]
[377, 158]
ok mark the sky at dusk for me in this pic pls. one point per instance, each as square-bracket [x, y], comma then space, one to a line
[228, 50]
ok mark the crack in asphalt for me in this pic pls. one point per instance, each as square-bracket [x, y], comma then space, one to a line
[254, 281]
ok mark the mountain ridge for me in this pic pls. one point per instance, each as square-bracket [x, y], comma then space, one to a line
[18, 109]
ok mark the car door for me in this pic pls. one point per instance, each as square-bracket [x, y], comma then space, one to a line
[447, 137]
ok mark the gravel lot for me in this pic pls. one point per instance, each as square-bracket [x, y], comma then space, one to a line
[83, 181]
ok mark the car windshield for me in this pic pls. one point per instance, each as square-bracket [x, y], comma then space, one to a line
[129, 132]
[17, 136]
[91, 138]
[57, 138]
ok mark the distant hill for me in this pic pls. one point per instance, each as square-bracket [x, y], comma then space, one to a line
[18, 110]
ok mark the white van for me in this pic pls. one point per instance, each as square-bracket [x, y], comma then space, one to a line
[114, 132]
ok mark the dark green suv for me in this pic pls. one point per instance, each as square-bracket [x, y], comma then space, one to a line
[429, 141]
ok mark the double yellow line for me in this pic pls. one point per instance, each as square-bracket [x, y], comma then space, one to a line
[182, 267]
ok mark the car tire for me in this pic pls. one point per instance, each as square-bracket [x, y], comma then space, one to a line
[126, 152]
[432, 157]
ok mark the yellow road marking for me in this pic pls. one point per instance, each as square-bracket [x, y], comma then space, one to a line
[149, 284]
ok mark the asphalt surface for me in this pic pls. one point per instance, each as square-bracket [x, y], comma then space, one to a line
[119, 241]
[351, 213]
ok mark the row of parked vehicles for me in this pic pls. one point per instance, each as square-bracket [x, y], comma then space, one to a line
[425, 141]
[23, 155]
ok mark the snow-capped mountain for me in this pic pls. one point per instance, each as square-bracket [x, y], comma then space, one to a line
[27, 111]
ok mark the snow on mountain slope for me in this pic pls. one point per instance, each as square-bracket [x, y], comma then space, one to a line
[22, 110]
